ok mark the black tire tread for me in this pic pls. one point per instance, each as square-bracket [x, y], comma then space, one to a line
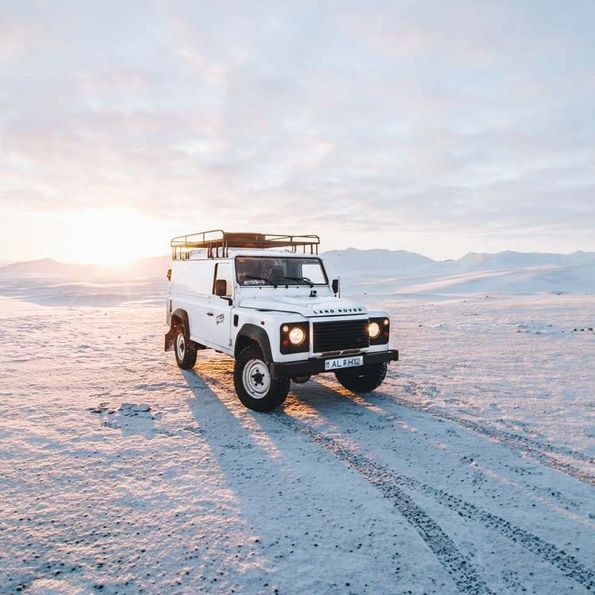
[363, 379]
[189, 359]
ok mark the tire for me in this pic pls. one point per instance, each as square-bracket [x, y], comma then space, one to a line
[363, 379]
[184, 348]
[255, 387]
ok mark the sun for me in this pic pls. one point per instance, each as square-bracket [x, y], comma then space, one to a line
[114, 237]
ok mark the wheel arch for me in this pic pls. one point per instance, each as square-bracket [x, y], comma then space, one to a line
[250, 334]
[179, 315]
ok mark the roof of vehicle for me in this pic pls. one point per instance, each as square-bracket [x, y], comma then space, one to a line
[217, 243]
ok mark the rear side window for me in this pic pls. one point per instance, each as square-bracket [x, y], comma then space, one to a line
[193, 276]
[223, 271]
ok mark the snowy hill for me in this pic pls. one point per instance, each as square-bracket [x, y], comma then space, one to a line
[43, 266]
[366, 262]
[380, 272]
[377, 274]
[519, 260]
[48, 267]
[49, 282]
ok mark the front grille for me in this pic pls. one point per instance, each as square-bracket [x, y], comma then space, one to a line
[340, 334]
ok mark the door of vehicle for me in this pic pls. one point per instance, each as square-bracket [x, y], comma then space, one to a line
[219, 310]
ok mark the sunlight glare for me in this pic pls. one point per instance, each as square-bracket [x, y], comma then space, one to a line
[113, 237]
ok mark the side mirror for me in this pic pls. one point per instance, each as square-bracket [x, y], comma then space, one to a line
[221, 287]
[335, 286]
[169, 274]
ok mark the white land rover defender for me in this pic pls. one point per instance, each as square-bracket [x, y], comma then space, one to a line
[266, 301]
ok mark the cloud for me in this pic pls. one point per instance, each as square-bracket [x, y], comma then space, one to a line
[411, 120]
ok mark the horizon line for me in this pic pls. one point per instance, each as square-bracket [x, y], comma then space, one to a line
[7, 262]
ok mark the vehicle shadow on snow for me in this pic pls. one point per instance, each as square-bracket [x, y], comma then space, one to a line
[336, 407]
[332, 406]
[272, 479]
[322, 403]
[247, 466]
[254, 454]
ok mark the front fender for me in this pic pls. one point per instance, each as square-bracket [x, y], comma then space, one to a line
[258, 335]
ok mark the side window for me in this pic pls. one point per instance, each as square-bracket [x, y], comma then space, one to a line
[223, 272]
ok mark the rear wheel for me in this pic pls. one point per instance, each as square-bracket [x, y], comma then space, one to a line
[184, 348]
[254, 385]
[362, 379]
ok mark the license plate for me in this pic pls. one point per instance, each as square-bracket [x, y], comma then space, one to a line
[344, 362]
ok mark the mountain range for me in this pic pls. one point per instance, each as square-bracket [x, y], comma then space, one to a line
[371, 272]
[389, 271]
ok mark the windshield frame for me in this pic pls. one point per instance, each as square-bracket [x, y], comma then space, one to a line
[285, 282]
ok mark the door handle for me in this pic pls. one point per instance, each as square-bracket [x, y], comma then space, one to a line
[209, 314]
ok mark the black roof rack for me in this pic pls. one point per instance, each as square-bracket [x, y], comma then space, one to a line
[217, 243]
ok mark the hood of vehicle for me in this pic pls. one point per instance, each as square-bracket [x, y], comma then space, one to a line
[306, 306]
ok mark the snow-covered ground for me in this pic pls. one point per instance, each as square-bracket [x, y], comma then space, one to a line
[470, 469]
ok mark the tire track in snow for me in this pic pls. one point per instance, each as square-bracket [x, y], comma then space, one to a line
[566, 563]
[563, 450]
[457, 565]
[538, 451]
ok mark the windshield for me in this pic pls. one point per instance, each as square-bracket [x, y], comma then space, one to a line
[272, 270]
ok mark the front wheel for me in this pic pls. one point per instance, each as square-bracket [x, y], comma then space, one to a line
[255, 386]
[363, 379]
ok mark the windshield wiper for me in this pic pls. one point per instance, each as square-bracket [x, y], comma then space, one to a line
[304, 279]
[275, 282]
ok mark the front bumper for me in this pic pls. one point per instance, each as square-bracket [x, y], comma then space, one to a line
[315, 365]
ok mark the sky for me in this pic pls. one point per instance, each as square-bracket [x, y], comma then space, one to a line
[438, 127]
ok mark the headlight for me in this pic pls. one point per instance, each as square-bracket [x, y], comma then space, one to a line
[294, 337]
[373, 330]
[297, 335]
[379, 331]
